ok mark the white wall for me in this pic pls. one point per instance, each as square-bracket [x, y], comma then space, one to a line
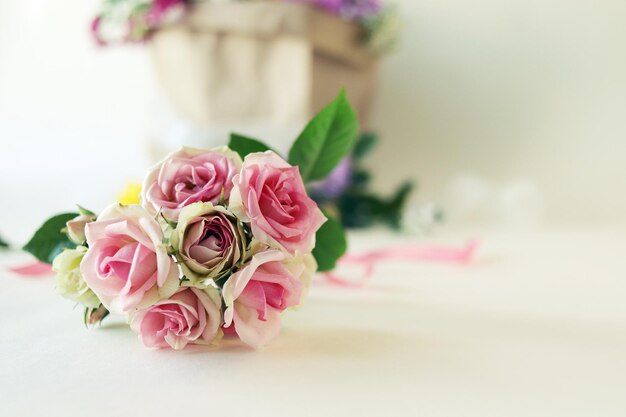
[530, 93]
[520, 92]
[72, 118]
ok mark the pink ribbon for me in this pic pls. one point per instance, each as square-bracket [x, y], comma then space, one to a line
[368, 260]
[33, 269]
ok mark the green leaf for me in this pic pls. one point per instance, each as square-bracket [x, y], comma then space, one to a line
[244, 145]
[3, 244]
[331, 244]
[402, 194]
[397, 203]
[50, 240]
[360, 209]
[364, 145]
[360, 179]
[326, 140]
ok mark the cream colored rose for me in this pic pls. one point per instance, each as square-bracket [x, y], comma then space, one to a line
[208, 241]
[70, 283]
[304, 267]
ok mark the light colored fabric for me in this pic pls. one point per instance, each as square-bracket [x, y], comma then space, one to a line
[535, 327]
[251, 62]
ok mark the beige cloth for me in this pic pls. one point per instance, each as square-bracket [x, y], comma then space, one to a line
[261, 62]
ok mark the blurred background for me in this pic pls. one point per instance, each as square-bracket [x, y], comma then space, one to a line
[507, 113]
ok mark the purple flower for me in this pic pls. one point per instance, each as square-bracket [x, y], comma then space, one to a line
[360, 9]
[349, 9]
[336, 182]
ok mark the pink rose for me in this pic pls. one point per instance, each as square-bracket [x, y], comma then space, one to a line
[269, 193]
[191, 316]
[257, 294]
[190, 176]
[127, 264]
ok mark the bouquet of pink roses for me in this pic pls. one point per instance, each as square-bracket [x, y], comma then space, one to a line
[223, 240]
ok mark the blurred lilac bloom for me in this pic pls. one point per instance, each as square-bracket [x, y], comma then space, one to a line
[360, 9]
[336, 182]
[349, 9]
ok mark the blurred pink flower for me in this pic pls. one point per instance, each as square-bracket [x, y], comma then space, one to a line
[160, 9]
[95, 31]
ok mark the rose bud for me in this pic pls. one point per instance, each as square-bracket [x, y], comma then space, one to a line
[76, 227]
[208, 242]
[190, 176]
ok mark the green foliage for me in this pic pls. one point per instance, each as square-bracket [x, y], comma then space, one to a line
[50, 239]
[397, 203]
[326, 140]
[331, 244]
[3, 244]
[244, 145]
[358, 206]
[364, 145]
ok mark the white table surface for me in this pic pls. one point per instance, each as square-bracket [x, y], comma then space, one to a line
[536, 326]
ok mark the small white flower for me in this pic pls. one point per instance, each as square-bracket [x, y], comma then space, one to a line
[70, 283]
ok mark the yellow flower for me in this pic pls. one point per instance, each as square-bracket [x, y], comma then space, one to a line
[131, 194]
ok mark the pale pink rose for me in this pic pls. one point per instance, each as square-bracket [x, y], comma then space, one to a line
[191, 316]
[189, 176]
[269, 193]
[257, 294]
[127, 264]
